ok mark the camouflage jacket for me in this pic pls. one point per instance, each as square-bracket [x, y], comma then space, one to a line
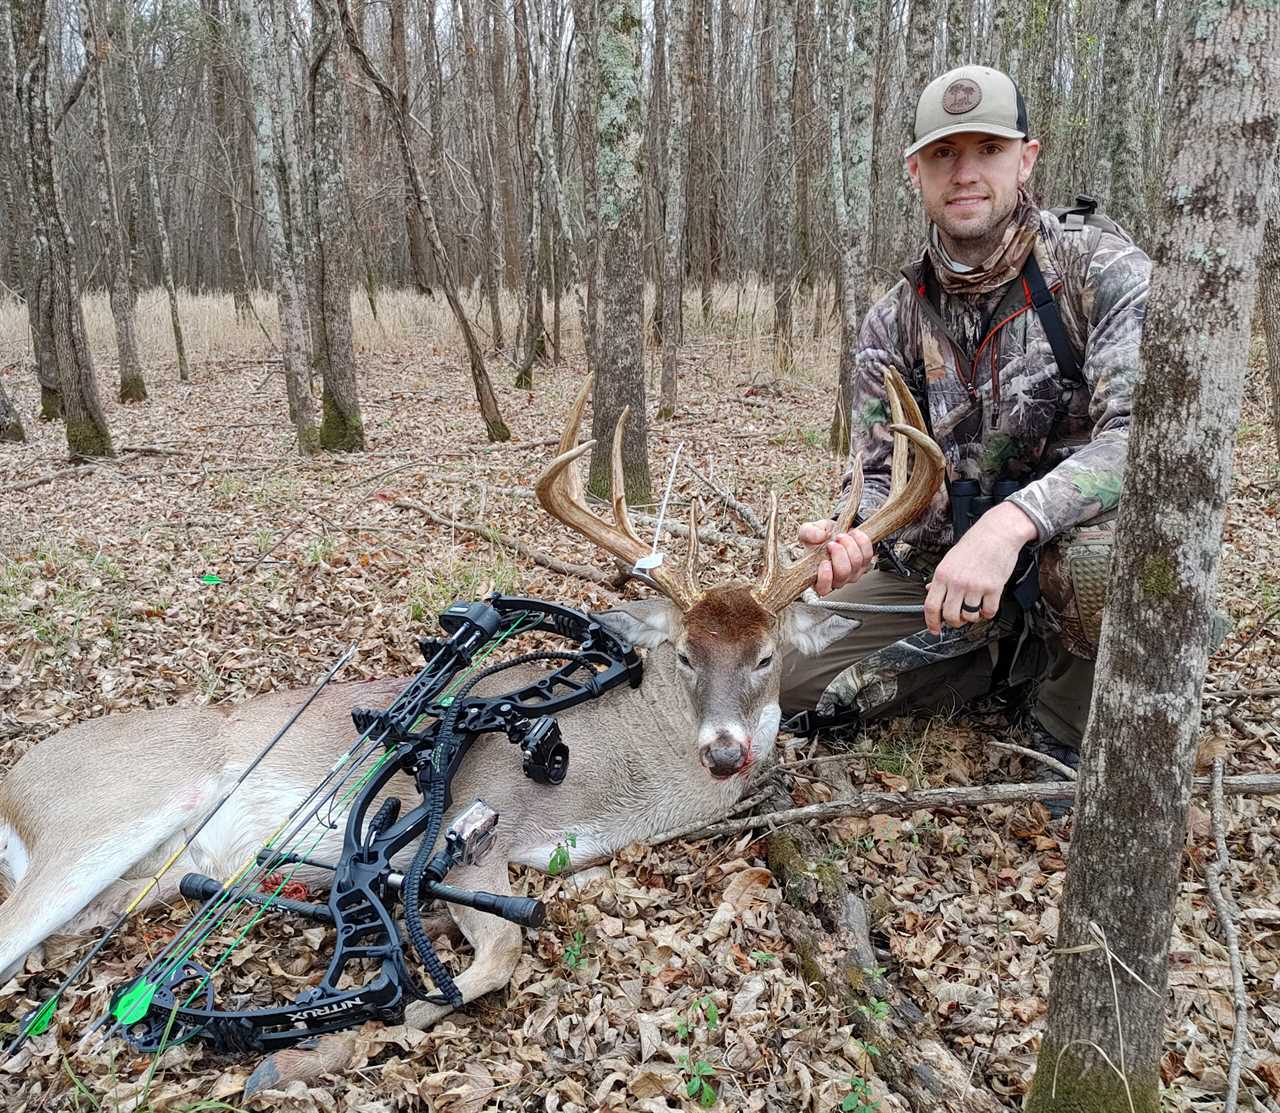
[999, 406]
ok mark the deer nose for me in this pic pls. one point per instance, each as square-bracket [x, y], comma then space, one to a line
[726, 754]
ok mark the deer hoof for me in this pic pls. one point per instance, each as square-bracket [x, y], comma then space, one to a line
[330, 1054]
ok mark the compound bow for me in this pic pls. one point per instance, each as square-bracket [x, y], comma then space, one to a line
[173, 999]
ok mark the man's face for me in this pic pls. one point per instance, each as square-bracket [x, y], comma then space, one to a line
[969, 182]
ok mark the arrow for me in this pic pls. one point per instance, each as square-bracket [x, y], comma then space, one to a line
[41, 1018]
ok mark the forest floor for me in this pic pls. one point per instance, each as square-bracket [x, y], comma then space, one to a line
[209, 563]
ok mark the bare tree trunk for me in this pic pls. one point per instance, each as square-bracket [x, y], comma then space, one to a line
[25, 259]
[483, 169]
[504, 166]
[619, 355]
[586, 19]
[143, 130]
[419, 250]
[778, 72]
[290, 297]
[495, 427]
[533, 328]
[674, 202]
[919, 59]
[850, 77]
[10, 420]
[552, 187]
[1103, 1040]
[1269, 278]
[111, 225]
[703, 191]
[957, 27]
[87, 432]
[226, 134]
[1117, 178]
[341, 427]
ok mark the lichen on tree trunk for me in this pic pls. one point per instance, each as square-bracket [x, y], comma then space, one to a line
[619, 352]
[341, 425]
[10, 422]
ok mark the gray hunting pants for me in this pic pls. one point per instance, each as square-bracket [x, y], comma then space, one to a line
[891, 665]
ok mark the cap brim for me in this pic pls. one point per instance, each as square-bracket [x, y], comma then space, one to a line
[957, 129]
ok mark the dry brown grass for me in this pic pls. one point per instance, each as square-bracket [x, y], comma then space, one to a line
[737, 335]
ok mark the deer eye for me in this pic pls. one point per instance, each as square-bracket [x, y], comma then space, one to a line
[684, 660]
[765, 662]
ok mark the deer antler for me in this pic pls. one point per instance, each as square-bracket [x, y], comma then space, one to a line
[560, 492]
[908, 499]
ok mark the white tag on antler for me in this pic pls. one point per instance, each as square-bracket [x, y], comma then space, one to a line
[647, 563]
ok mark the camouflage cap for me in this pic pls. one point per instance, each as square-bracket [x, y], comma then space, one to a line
[970, 98]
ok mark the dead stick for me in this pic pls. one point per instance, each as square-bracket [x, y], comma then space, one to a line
[711, 536]
[889, 803]
[1244, 693]
[1226, 916]
[741, 509]
[27, 484]
[497, 537]
[1035, 755]
[1253, 634]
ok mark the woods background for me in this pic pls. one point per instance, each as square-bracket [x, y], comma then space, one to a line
[210, 205]
[518, 152]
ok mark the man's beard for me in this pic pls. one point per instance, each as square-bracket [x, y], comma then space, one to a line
[984, 238]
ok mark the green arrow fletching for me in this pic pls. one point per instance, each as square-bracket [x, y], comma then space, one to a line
[134, 1004]
[40, 1019]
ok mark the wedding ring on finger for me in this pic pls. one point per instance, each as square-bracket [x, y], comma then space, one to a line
[966, 608]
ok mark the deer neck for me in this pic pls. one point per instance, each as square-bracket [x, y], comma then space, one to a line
[650, 779]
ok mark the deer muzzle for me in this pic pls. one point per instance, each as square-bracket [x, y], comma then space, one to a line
[726, 752]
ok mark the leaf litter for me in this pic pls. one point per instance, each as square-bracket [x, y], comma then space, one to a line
[218, 565]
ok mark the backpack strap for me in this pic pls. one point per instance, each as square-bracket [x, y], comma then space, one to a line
[1046, 308]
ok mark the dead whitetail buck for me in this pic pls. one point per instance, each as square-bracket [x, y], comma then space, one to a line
[88, 817]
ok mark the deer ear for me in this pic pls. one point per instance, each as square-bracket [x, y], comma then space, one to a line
[809, 629]
[643, 622]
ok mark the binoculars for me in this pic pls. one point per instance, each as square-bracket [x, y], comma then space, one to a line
[968, 503]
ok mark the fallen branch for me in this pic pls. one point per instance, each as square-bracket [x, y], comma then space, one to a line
[744, 512]
[497, 537]
[705, 533]
[1035, 755]
[896, 803]
[829, 927]
[1252, 635]
[1244, 693]
[40, 480]
[1223, 905]
[151, 450]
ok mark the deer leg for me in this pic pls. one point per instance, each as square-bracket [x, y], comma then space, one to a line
[62, 891]
[494, 941]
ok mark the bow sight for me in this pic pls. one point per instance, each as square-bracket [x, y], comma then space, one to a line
[423, 736]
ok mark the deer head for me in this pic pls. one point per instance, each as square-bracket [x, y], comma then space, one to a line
[725, 644]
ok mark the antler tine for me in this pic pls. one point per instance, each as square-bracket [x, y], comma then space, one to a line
[779, 588]
[569, 438]
[898, 468]
[560, 494]
[916, 494]
[689, 570]
[770, 571]
[617, 489]
[908, 498]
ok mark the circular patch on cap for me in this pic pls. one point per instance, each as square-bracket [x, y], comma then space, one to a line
[961, 96]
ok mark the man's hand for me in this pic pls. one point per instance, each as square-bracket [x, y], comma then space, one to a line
[968, 582]
[849, 554]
